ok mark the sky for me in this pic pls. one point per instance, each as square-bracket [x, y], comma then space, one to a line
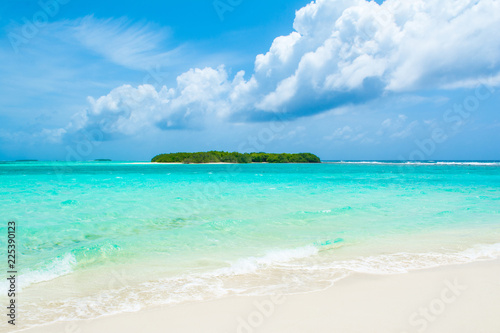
[346, 80]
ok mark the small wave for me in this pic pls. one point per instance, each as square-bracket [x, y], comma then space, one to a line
[470, 163]
[357, 162]
[253, 264]
[304, 269]
[288, 271]
[66, 264]
[58, 267]
[465, 163]
[404, 262]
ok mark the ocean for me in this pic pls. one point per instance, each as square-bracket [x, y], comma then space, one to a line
[97, 238]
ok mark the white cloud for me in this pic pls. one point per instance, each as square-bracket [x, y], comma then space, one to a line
[136, 46]
[406, 132]
[126, 110]
[394, 123]
[343, 133]
[398, 127]
[340, 52]
[201, 95]
[402, 45]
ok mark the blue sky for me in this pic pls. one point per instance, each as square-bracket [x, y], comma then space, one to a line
[343, 79]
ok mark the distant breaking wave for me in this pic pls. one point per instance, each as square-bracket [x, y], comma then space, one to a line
[466, 163]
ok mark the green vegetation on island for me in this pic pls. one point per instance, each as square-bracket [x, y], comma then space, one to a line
[227, 157]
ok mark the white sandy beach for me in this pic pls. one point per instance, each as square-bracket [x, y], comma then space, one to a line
[460, 298]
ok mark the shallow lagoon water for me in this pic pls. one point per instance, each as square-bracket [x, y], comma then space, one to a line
[96, 238]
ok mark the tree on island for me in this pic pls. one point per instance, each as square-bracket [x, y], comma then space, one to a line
[234, 157]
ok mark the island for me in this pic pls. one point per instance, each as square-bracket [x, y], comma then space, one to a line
[234, 157]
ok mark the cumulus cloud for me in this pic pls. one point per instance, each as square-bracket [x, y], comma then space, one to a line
[200, 94]
[340, 52]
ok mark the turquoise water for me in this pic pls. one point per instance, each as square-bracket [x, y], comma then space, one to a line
[101, 237]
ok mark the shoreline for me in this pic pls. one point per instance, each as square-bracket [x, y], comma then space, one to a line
[455, 298]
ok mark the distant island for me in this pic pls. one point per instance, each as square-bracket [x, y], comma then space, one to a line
[103, 160]
[227, 157]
